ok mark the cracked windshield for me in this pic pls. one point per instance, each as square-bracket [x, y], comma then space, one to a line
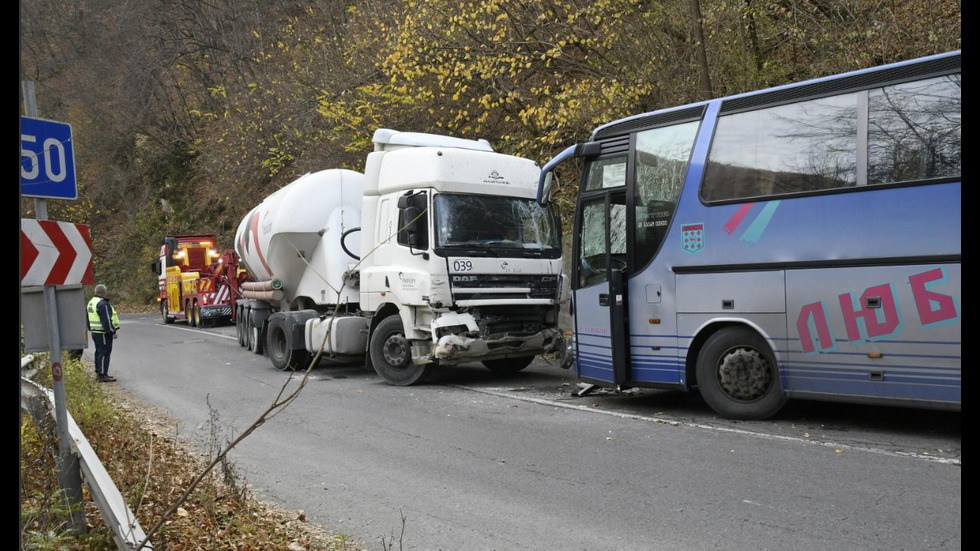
[503, 223]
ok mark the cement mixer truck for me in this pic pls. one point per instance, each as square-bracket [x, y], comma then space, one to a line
[438, 254]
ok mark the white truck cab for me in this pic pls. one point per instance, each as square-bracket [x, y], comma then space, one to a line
[462, 256]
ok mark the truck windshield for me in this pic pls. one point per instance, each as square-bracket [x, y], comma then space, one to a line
[506, 226]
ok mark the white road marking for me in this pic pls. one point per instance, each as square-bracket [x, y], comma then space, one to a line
[764, 436]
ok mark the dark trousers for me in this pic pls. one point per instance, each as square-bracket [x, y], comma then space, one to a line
[103, 349]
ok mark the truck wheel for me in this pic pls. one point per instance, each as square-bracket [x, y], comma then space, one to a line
[165, 312]
[240, 325]
[284, 358]
[391, 354]
[191, 320]
[737, 375]
[256, 338]
[187, 312]
[247, 329]
[195, 315]
[507, 366]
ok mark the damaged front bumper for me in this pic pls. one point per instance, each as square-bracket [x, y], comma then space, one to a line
[461, 345]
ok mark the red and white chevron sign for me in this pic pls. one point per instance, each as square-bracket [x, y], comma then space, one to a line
[54, 253]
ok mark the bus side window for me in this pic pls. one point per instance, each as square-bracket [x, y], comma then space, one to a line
[662, 158]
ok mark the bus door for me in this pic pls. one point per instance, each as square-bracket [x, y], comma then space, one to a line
[600, 302]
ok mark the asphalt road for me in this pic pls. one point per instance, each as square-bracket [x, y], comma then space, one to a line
[472, 461]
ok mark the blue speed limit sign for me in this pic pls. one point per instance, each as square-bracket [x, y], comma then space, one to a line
[47, 159]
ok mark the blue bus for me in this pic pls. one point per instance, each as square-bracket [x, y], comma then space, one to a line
[801, 241]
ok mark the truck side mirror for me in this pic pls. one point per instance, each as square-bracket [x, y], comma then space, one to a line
[155, 267]
[413, 221]
[412, 224]
[171, 247]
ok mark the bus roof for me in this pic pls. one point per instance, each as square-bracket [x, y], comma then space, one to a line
[838, 76]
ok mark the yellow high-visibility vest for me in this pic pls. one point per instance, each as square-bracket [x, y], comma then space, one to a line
[94, 323]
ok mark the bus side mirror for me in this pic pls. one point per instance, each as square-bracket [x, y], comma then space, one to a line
[546, 179]
[549, 178]
[588, 149]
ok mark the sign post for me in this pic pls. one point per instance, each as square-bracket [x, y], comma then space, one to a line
[47, 169]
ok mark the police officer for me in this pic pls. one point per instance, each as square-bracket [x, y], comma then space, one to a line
[103, 323]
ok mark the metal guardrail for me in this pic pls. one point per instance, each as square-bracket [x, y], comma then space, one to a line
[126, 530]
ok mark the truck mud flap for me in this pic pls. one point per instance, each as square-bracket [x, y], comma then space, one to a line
[216, 312]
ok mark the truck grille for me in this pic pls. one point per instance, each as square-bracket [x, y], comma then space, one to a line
[503, 286]
[496, 322]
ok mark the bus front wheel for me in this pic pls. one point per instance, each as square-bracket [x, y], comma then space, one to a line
[737, 375]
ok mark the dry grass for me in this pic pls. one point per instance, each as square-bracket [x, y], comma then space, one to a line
[152, 468]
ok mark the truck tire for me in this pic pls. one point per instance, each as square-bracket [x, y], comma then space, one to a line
[240, 325]
[283, 356]
[247, 329]
[165, 312]
[391, 354]
[507, 366]
[196, 315]
[190, 313]
[256, 337]
[738, 376]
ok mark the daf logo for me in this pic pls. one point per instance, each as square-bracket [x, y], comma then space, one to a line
[463, 279]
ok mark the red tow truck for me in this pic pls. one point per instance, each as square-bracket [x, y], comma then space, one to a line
[197, 283]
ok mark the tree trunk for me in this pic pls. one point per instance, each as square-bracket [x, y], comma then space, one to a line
[705, 79]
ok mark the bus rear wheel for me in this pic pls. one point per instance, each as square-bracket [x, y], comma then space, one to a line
[737, 375]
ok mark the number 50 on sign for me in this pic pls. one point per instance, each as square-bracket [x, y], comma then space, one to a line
[47, 159]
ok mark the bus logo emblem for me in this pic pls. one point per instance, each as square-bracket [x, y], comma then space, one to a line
[693, 237]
